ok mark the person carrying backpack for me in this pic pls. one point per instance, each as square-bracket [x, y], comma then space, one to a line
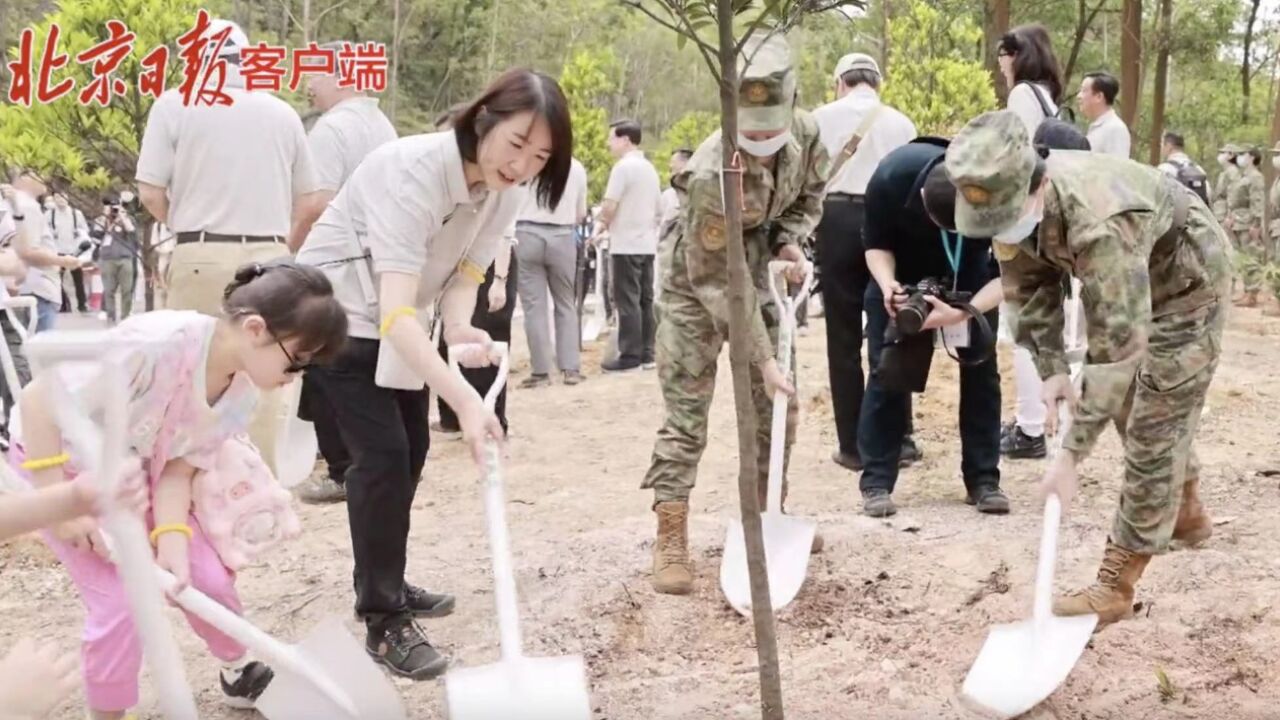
[1181, 167]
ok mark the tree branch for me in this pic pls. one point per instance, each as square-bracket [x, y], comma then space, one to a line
[316, 22]
[288, 9]
[708, 53]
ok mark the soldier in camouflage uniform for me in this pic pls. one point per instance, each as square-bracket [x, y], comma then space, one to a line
[1244, 219]
[784, 168]
[1228, 175]
[1155, 268]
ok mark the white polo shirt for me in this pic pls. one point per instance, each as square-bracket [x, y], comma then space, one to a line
[1109, 135]
[343, 136]
[407, 209]
[839, 120]
[573, 204]
[42, 282]
[634, 185]
[230, 169]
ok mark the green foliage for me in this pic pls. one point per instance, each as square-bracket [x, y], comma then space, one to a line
[687, 132]
[937, 81]
[92, 147]
[587, 79]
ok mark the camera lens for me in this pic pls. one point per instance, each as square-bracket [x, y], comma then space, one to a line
[911, 320]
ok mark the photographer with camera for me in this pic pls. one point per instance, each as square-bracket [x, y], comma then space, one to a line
[116, 258]
[927, 278]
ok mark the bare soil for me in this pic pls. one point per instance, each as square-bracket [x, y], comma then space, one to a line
[891, 616]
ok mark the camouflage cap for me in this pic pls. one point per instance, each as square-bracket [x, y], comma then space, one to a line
[990, 162]
[1232, 148]
[767, 84]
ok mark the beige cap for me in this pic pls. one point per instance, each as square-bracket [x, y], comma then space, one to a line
[856, 61]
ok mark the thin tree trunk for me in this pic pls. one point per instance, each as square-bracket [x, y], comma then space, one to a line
[1161, 90]
[886, 46]
[1085, 17]
[1266, 167]
[1245, 74]
[740, 362]
[995, 25]
[1131, 62]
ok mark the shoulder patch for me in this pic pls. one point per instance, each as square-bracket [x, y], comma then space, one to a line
[1004, 252]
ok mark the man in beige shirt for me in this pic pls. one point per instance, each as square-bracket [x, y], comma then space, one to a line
[224, 179]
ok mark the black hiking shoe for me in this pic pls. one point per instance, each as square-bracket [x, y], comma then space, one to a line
[848, 461]
[1017, 445]
[877, 503]
[989, 499]
[242, 688]
[404, 650]
[619, 366]
[425, 604]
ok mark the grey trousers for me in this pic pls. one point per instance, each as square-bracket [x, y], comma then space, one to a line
[548, 259]
[117, 275]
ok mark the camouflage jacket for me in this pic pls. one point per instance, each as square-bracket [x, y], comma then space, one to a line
[1274, 201]
[1221, 189]
[782, 204]
[1103, 217]
[1245, 198]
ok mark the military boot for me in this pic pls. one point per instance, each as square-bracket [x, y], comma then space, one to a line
[1193, 525]
[818, 542]
[1111, 596]
[672, 573]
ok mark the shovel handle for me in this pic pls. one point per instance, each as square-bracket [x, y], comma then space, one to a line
[495, 509]
[247, 634]
[504, 368]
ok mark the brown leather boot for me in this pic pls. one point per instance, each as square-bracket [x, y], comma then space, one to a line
[672, 573]
[1193, 525]
[1111, 596]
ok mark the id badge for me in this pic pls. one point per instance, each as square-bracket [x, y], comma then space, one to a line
[956, 336]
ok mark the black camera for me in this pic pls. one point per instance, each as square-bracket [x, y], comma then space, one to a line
[915, 311]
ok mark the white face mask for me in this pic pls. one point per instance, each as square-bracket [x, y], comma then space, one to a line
[1021, 229]
[1275, 162]
[763, 148]
[1244, 161]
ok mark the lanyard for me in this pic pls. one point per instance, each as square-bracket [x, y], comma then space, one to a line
[953, 255]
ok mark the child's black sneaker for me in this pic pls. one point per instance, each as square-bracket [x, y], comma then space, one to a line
[241, 688]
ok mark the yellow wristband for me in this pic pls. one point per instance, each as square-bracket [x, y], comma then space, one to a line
[471, 271]
[394, 315]
[46, 463]
[183, 528]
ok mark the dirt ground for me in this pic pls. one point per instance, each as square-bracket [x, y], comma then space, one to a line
[891, 616]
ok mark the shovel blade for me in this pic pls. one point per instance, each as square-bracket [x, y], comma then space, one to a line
[296, 452]
[1022, 663]
[525, 688]
[788, 542]
[333, 652]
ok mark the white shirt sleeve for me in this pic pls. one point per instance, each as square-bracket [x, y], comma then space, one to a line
[617, 182]
[159, 141]
[580, 207]
[327, 156]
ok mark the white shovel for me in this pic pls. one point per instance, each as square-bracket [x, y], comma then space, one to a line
[787, 539]
[1022, 663]
[516, 686]
[593, 310]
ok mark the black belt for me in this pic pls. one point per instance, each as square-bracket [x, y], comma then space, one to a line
[534, 223]
[845, 197]
[195, 237]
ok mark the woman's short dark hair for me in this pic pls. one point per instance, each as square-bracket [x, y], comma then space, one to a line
[629, 129]
[295, 301]
[516, 91]
[1033, 58]
[861, 76]
[1059, 135]
[940, 197]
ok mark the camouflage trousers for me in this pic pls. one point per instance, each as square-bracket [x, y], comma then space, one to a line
[1158, 424]
[687, 347]
[1254, 248]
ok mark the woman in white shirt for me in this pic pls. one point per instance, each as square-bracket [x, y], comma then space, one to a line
[417, 223]
[1034, 77]
[1030, 69]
